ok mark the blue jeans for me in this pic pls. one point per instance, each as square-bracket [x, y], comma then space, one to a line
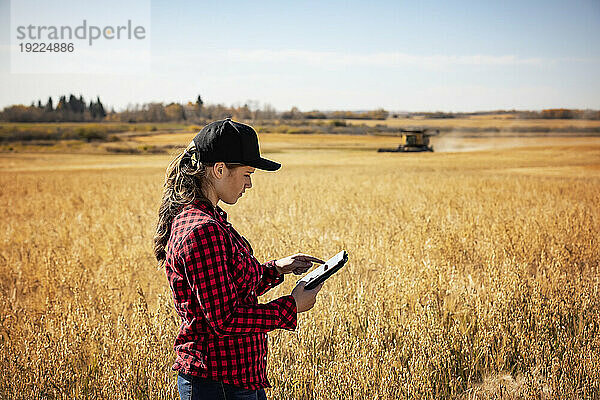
[195, 388]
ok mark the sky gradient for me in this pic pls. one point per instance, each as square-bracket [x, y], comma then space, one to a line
[399, 55]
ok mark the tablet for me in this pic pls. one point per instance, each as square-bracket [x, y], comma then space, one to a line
[324, 271]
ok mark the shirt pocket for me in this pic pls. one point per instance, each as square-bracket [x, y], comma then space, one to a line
[245, 272]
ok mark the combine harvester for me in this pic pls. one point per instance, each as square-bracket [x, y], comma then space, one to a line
[413, 140]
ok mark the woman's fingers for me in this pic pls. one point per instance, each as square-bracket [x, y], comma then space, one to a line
[302, 262]
[301, 270]
[317, 288]
[306, 257]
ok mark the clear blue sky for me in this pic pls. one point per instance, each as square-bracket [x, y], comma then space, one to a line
[399, 55]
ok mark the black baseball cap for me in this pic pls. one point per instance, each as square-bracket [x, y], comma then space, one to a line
[232, 142]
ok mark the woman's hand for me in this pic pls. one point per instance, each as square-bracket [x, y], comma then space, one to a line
[305, 299]
[298, 264]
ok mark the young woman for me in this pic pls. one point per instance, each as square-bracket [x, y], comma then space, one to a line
[215, 279]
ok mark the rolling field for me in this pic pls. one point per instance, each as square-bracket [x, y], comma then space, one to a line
[274, 142]
[482, 121]
[472, 274]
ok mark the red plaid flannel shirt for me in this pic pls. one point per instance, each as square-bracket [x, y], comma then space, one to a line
[216, 282]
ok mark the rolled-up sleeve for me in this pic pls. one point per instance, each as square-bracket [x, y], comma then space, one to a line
[205, 258]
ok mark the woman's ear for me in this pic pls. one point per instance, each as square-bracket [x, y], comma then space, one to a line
[219, 170]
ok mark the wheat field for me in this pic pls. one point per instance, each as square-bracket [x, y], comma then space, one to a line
[499, 122]
[472, 275]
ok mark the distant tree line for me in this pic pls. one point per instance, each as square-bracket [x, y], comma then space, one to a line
[562, 113]
[553, 113]
[193, 112]
[73, 109]
[76, 109]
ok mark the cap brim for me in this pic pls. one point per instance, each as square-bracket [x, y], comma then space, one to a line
[263, 163]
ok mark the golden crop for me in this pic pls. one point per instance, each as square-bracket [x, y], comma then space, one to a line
[471, 275]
